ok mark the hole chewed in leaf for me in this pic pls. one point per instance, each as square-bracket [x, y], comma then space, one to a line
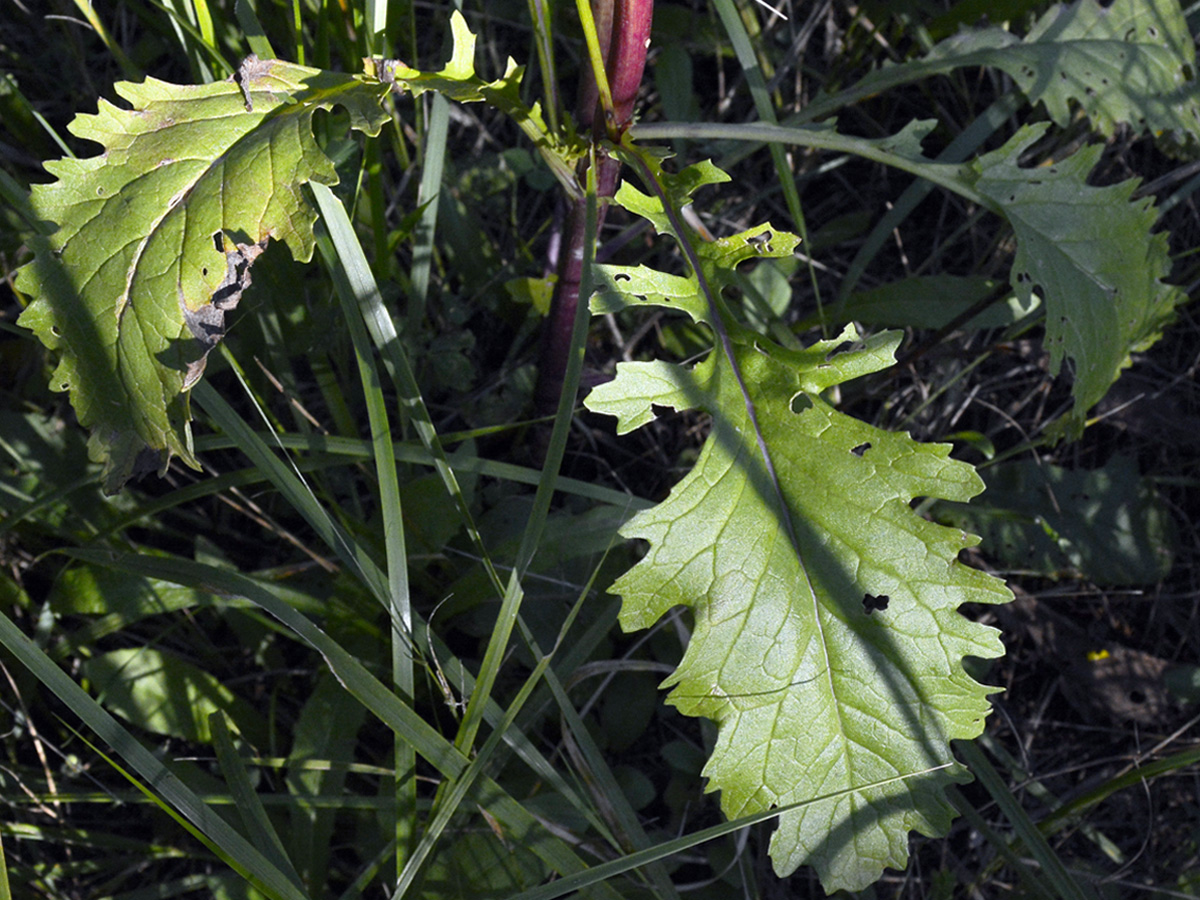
[761, 242]
[843, 347]
[871, 603]
[207, 324]
[861, 448]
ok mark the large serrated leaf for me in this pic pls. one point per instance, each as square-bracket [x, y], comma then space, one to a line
[156, 237]
[1090, 254]
[815, 688]
[1133, 62]
[828, 643]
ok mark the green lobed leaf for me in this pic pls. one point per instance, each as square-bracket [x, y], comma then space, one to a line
[1089, 253]
[827, 643]
[457, 81]
[156, 237]
[1130, 63]
[679, 187]
[1133, 62]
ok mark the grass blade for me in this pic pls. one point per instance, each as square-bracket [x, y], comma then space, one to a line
[293, 487]
[383, 332]
[1054, 872]
[173, 792]
[356, 287]
[254, 817]
[449, 801]
[598, 874]
[736, 29]
[513, 593]
[5, 891]
[247, 17]
[427, 196]
[946, 175]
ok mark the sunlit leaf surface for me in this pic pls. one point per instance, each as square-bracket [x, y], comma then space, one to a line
[156, 236]
[827, 642]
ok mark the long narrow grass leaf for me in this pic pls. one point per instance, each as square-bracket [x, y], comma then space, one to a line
[752, 70]
[128, 66]
[292, 487]
[1030, 877]
[1139, 775]
[542, 27]
[254, 816]
[449, 802]
[606, 783]
[247, 17]
[355, 449]
[376, 22]
[510, 605]
[204, 22]
[823, 137]
[383, 333]
[356, 287]
[428, 197]
[5, 890]
[521, 826]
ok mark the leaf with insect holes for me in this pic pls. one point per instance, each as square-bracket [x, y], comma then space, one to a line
[1089, 252]
[827, 641]
[1132, 62]
[156, 236]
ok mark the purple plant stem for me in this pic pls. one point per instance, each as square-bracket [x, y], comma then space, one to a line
[623, 27]
[626, 59]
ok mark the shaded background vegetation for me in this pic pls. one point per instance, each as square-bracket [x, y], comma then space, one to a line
[1102, 641]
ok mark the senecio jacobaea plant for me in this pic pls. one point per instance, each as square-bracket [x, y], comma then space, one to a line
[827, 645]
